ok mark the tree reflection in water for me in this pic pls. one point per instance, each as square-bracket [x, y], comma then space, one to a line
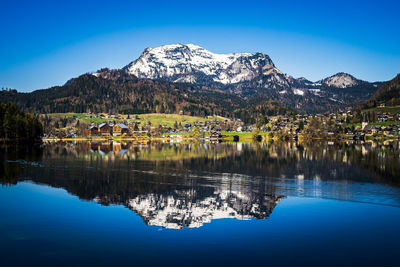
[187, 185]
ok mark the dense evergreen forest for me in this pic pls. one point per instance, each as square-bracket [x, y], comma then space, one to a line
[258, 110]
[118, 92]
[18, 125]
[388, 94]
[114, 91]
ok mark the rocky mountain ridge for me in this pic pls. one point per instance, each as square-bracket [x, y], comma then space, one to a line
[190, 79]
[249, 75]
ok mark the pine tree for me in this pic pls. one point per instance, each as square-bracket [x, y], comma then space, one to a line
[15, 124]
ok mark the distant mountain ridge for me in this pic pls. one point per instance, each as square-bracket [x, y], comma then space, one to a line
[190, 79]
[248, 75]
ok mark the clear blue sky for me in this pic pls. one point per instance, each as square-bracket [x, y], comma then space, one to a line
[45, 43]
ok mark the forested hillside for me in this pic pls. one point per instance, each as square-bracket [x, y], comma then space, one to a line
[388, 94]
[115, 91]
[18, 125]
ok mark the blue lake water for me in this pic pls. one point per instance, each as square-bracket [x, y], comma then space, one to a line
[200, 204]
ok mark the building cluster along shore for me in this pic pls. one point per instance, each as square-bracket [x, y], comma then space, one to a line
[348, 125]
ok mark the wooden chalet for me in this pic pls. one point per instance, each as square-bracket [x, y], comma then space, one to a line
[120, 129]
[104, 129]
[93, 131]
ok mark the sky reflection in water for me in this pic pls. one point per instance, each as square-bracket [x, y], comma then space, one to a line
[291, 204]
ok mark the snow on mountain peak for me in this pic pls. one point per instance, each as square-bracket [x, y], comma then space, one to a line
[341, 80]
[190, 63]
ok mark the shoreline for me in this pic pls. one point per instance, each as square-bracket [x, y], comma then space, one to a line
[183, 138]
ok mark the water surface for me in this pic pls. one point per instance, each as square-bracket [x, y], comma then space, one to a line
[200, 204]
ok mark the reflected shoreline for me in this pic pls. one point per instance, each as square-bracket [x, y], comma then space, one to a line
[186, 185]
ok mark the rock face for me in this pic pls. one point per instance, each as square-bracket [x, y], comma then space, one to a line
[194, 64]
[189, 78]
[248, 75]
[340, 80]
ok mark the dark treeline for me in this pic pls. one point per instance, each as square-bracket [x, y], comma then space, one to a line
[114, 91]
[18, 125]
[258, 109]
[117, 92]
[15, 155]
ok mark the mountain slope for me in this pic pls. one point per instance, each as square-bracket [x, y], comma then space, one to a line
[194, 64]
[249, 75]
[307, 96]
[340, 80]
[117, 91]
[188, 78]
[388, 94]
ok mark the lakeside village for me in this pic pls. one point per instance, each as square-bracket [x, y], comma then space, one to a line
[345, 126]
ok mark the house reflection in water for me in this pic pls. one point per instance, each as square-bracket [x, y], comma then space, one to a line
[116, 148]
[186, 185]
[101, 148]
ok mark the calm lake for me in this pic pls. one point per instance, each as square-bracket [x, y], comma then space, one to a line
[200, 204]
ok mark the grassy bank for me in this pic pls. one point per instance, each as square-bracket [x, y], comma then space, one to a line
[393, 109]
[154, 118]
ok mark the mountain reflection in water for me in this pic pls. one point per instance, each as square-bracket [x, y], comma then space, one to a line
[187, 185]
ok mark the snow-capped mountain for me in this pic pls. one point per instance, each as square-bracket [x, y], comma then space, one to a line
[249, 76]
[193, 80]
[340, 80]
[194, 64]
